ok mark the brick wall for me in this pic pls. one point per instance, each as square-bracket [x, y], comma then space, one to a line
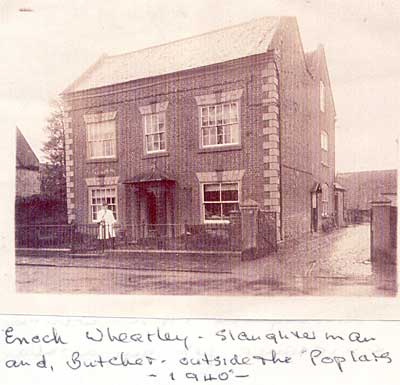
[301, 122]
[295, 148]
[324, 164]
[27, 182]
[184, 158]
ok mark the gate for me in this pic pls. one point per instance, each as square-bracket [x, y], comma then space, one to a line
[267, 232]
[393, 226]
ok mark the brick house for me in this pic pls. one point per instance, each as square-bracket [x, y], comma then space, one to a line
[186, 131]
[27, 168]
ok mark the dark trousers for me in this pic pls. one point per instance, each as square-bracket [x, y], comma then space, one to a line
[106, 243]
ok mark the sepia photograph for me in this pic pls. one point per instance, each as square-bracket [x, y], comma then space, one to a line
[204, 148]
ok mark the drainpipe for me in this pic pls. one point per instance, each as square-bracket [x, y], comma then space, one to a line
[280, 146]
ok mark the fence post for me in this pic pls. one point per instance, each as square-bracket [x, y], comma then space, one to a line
[103, 243]
[381, 247]
[235, 236]
[249, 226]
[185, 236]
[72, 236]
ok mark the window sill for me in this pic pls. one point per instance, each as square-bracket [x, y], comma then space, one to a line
[234, 147]
[102, 160]
[325, 164]
[216, 222]
[155, 155]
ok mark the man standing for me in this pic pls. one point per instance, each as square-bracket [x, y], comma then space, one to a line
[106, 220]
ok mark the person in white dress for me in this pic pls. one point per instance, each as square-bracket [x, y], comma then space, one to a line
[106, 221]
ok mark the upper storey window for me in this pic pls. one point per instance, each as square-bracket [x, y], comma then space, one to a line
[322, 96]
[220, 124]
[101, 135]
[154, 127]
[154, 132]
[219, 119]
[324, 140]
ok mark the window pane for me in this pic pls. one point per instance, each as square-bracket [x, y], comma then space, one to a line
[149, 139]
[90, 131]
[234, 132]
[213, 135]
[161, 119]
[211, 192]
[324, 140]
[90, 150]
[96, 131]
[228, 208]
[147, 124]
[229, 192]
[233, 113]
[204, 116]
[226, 114]
[156, 142]
[206, 137]
[227, 134]
[211, 117]
[220, 134]
[212, 211]
[107, 130]
[219, 114]
[154, 123]
[94, 149]
[162, 141]
[107, 148]
[322, 96]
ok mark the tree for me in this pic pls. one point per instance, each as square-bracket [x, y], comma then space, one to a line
[53, 174]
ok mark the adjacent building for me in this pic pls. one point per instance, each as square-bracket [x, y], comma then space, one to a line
[27, 168]
[364, 187]
[184, 132]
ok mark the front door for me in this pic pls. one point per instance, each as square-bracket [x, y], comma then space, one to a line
[151, 209]
[337, 208]
[314, 212]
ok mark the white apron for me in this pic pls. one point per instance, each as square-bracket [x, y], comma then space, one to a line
[106, 221]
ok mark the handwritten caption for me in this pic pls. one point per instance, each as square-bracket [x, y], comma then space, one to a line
[205, 355]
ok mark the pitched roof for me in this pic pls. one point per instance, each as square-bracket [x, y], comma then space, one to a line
[26, 158]
[365, 186]
[251, 38]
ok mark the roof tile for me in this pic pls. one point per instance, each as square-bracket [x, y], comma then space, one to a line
[253, 37]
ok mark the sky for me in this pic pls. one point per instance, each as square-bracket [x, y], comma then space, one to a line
[45, 49]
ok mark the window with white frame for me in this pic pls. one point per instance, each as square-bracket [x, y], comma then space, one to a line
[101, 141]
[100, 195]
[219, 124]
[324, 140]
[154, 132]
[322, 96]
[324, 199]
[219, 200]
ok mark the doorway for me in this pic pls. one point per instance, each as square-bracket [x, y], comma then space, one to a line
[314, 212]
[151, 209]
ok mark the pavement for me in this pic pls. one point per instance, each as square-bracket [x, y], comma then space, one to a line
[337, 263]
